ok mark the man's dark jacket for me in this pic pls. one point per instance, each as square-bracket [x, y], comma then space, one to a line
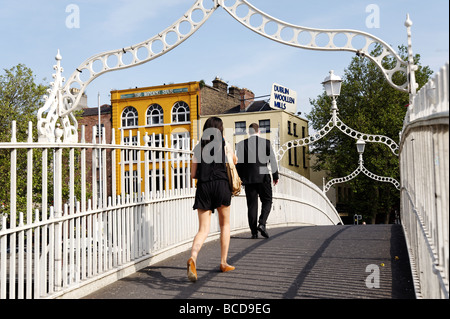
[253, 155]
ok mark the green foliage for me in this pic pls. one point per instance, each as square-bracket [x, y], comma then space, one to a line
[20, 99]
[367, 104]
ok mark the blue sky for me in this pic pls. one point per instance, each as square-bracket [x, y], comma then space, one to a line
[33, 31]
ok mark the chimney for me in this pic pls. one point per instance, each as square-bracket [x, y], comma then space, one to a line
[235, 91]
[247, 98]
[220, 85]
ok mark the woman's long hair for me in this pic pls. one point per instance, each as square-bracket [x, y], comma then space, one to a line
[212, 131]
[212, 142]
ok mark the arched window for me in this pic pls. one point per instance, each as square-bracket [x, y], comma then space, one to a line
[180, 112]
[155, 115]
[129, 117]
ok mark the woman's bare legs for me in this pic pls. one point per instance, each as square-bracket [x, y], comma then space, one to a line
[224, 222]
[204, 218]
[204, 221]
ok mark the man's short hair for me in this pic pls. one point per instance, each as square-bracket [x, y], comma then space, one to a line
[253, 129]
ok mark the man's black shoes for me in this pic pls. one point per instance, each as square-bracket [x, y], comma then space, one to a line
[263, 231]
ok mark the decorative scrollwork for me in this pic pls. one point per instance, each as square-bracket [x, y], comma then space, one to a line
[367, 137]
[342, 179]
[63, 103]
[381, 178]
[65, 99]
[48, 119]
[355, 173]
[336, 122]
[295, 36]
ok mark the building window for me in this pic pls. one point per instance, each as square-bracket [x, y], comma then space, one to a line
[179, 178]
[157, 176]
[180, 112]
[295, 130]
[128, 184]
[126, 141]
[180, 141]
[289, 128]
[264, 126]
[304, 158]
[99, 132]
[156, 140]
[304, 147]
[240, 127]
[155, 115]
[129, 117]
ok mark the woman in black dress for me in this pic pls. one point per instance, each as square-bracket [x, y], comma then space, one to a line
[213, 192]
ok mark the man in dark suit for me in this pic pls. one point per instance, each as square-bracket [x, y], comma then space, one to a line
[253, 155]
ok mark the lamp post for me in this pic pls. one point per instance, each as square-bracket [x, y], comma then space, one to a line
[360, 145]
[332, 85]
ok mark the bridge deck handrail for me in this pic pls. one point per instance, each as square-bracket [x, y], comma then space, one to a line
[424, 175]
[73, 238]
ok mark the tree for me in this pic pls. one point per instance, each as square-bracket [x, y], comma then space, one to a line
[20, 99]
[367, 104]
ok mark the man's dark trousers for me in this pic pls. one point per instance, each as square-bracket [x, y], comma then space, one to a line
[264, 190]
[254, 154]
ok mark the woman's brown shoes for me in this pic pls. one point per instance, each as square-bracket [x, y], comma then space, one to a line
[226, 268]
[191, 271]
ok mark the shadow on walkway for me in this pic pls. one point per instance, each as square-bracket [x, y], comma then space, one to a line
[313, 262]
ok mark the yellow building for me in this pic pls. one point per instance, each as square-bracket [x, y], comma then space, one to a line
[173, 116]
[167, 113]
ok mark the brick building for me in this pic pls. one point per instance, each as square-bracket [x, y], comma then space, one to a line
[218, 98]
[90, 119]
[173, 115]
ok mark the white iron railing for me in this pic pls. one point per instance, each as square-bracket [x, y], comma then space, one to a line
[425, 190]
[61, 246]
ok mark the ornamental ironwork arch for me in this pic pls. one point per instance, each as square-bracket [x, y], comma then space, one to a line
[360, 169]
[64, 96]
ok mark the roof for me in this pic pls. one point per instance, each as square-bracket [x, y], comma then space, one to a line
[256, 106]
[91, 111]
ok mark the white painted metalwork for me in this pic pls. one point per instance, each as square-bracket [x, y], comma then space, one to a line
[336, 122]
[70, 244]
[64, 248]
[64, 98]
[424, 171]
[335, 40]
[356, 172]
[66, 95]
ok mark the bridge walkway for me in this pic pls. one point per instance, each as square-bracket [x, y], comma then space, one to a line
[310, 262]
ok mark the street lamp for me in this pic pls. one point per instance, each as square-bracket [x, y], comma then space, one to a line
[360, 145]
[332, 85]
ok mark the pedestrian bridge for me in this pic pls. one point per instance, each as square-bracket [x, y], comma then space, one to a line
[62, 236]
[63, 240]
[306, 262]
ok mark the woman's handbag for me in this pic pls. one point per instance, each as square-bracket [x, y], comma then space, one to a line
[233, 176]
